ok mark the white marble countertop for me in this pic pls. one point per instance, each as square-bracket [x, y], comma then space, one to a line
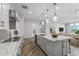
[15, 35]
[60, 37]
[8, 49]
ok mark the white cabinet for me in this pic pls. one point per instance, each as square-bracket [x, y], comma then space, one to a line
[65, 47]
[38, 41]
[57, 48]
[44, 44]
[53, 48]
[4, 16]
[4, 21]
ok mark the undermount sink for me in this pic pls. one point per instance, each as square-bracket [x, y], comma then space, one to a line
[42, 34]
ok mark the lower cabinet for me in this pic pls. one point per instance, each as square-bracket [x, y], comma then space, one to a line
[53, 48]
[66, 47]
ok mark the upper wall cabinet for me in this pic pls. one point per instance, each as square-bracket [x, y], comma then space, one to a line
[4, 16]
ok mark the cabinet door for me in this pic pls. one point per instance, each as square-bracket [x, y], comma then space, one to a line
[67, 47]
[64, 48]
[49, 48]
[44, 44]
[39, 41]
[57, 48]
[4, 16]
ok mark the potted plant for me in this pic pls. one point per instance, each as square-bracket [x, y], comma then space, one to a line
[77, 32]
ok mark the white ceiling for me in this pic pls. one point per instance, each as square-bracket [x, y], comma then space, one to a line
[65, 12]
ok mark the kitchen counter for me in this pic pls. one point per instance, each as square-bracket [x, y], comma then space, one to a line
[9, 49]
[54, 46]
[12, 48]
[60, 37]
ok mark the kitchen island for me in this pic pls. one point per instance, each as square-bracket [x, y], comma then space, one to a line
[53, 46]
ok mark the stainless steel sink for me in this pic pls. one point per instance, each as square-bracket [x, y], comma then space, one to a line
[42, 34]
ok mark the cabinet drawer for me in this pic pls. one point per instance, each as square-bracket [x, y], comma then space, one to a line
[57, 43]
[58, 51]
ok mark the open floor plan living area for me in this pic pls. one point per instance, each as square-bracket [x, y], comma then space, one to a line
[39, 29]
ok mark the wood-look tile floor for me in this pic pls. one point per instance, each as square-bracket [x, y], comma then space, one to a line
[31, 49]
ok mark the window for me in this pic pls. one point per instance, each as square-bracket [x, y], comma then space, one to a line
[74, 27]
[61, 29]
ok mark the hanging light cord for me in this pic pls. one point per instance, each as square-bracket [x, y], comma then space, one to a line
[1, 11]
[54, 9]
[47, 13]
[10, 5]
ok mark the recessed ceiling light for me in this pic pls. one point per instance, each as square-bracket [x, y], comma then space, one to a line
[30, 12]
[47, 20]
[42, 22]
[33, 25]
[57, 7]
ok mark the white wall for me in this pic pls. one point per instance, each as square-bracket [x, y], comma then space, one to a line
[67, 28]
[57, 26]
[47, 26]
[60, 25]
[28, 28]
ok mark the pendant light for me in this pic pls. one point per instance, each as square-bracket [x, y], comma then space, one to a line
[55, 16]
[1, 11]
[47, 20]
[41, 20]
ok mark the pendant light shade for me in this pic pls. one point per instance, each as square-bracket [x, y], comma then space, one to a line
[55, 19]
[47, 20]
